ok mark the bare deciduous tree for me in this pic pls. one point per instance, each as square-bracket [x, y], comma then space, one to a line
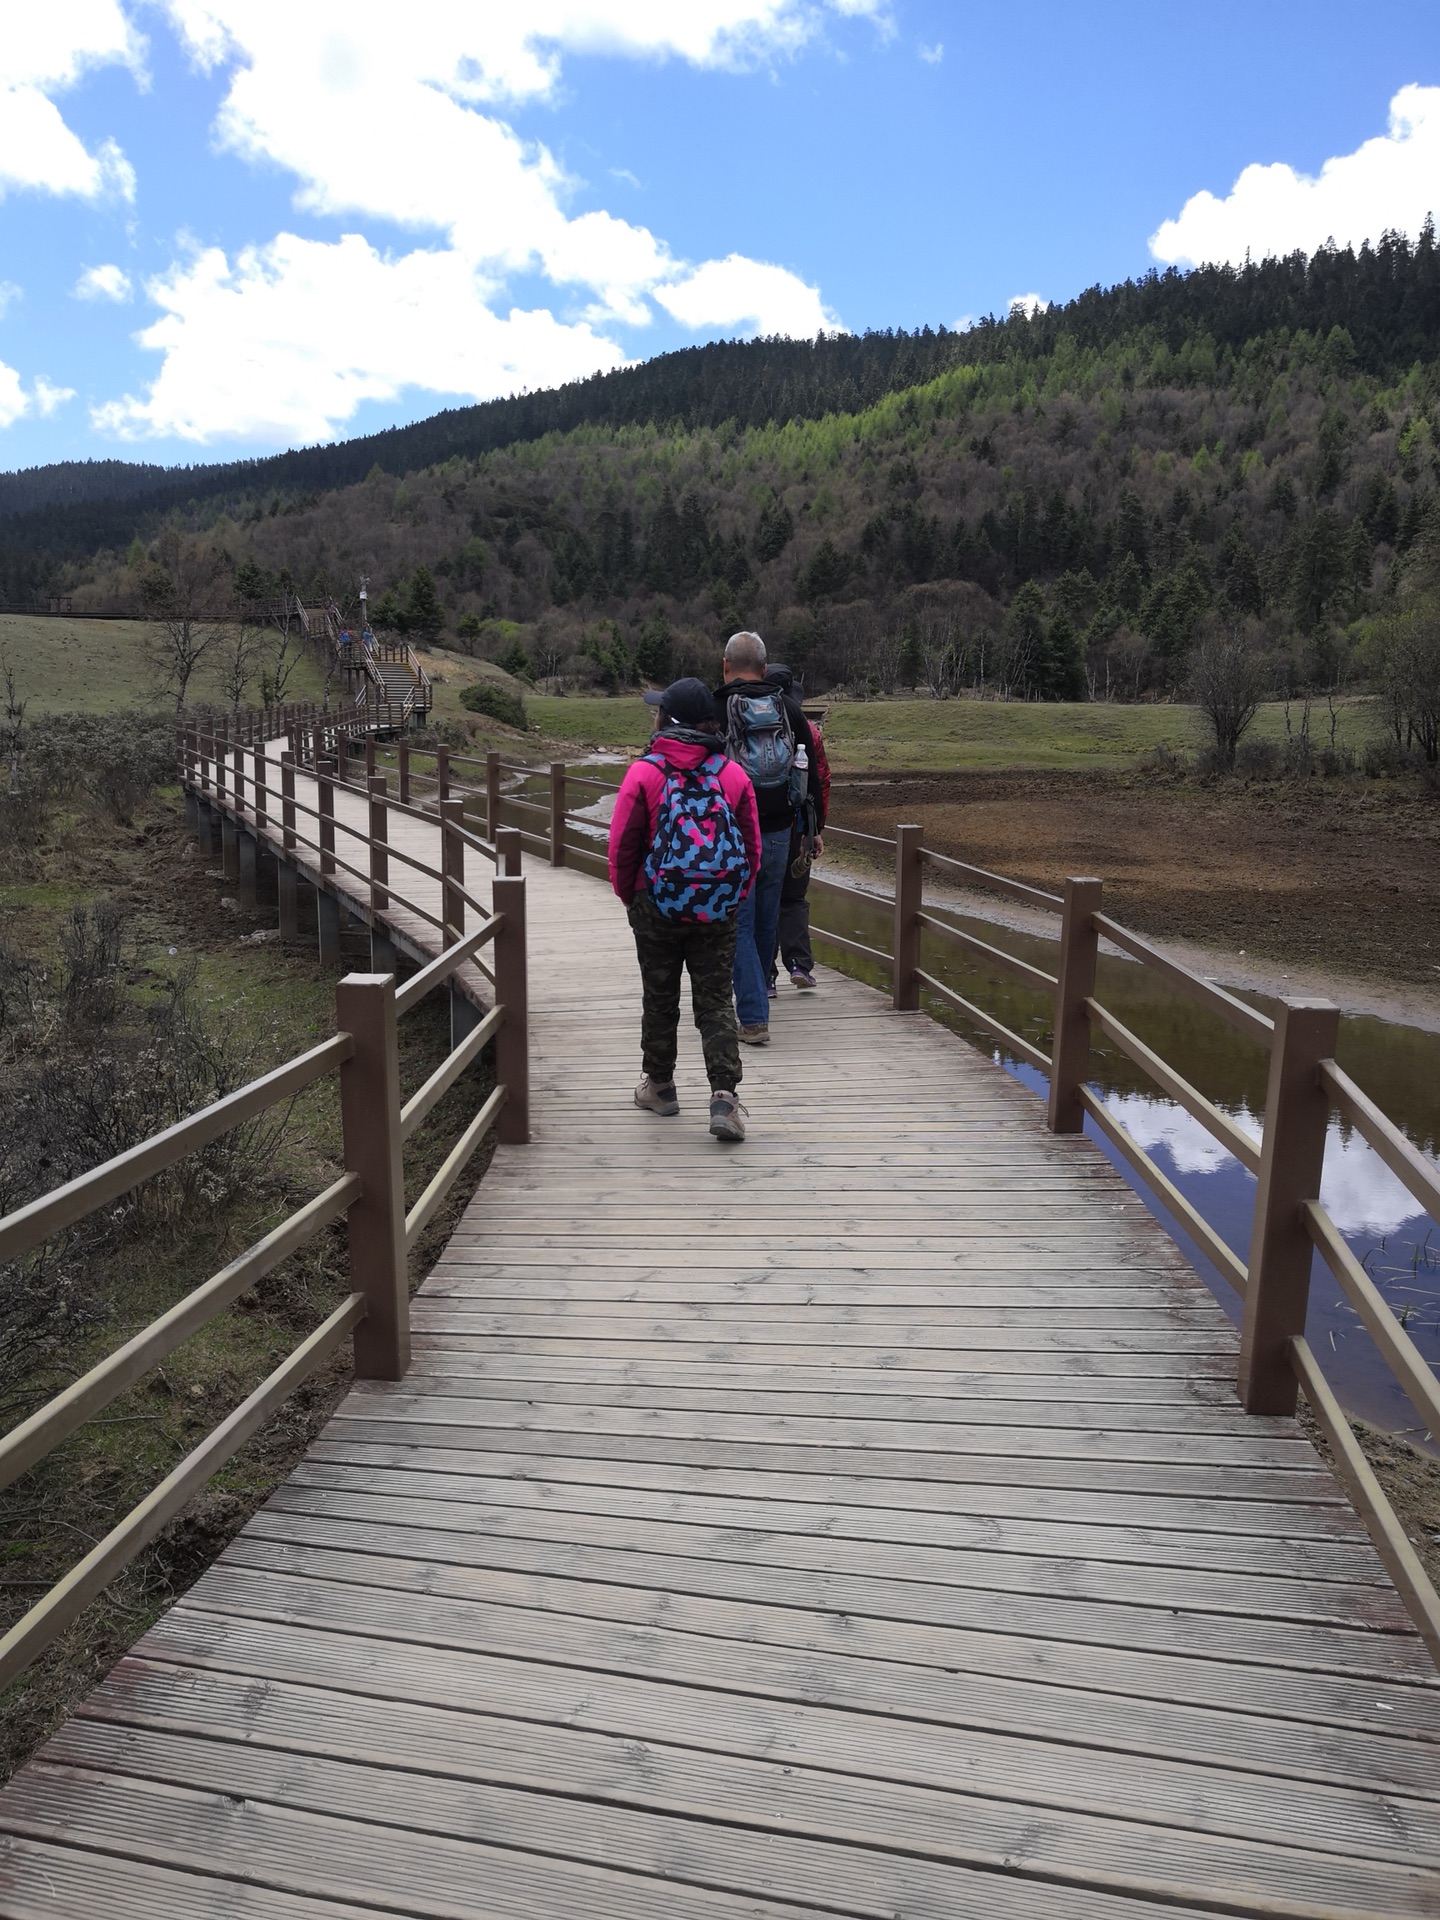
[1408, 650]
[183, 588]
[239, 650]
[1228, 678]
[14, 719]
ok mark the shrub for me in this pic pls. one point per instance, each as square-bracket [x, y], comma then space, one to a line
[1258, 759]
[496, 703]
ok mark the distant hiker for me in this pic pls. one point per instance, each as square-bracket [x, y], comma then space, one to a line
[765, 731]
[792, 945]
[684, 851]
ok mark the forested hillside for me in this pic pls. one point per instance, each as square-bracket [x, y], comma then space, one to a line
[1062, 508]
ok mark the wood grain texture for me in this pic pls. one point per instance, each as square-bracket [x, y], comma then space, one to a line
[860, 1521]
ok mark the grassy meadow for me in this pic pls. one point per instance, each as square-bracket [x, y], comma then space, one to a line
[64, 665]
[941, 736]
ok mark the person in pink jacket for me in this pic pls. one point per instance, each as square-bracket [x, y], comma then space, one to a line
[684, 852]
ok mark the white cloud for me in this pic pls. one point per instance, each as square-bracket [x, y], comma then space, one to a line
[43, 397]
[9, 292]
[377, 114]
[1392, 181]
[44, 50]
[932, 56]
[1028, 304]
[736, 292]
[104, 283]
[294, 336]
[48, 397]
[13, 403]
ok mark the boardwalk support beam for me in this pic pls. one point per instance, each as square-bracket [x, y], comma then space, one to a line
[1297, 1116]
[905, 995]
[370, 1117]
[512, 1042]
[1070, 1055]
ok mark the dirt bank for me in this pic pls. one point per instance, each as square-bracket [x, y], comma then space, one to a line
[1327, 879]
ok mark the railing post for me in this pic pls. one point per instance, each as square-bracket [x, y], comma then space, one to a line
[508, 849]
[1070, 1053]
[369, 758]
[370, 1117]
[557, 813]
[287, 801]
[379, 854]
[905, 992]
[237, 778]
[512, 1041]
[1292, 1156]
[403, 757]
[492, 795]
[261, 816]
[207, 749]
[247, 850]
[452, 865]
[325, 801]
[442, 773]
[186, 736]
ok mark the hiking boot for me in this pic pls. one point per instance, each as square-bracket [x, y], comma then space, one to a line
[656, 1099]
[799, 977]
[727, 1116]
[756, 1036]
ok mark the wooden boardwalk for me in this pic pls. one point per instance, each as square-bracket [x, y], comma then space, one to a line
[856, 1522]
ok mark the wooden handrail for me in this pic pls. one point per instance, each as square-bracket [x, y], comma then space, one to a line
[51, 1615]
[33, 1439]
[1257, 1025]
[437, 971]
[994, 956]
[420, 1103]
[1017, 889]
[1392, 1543]
[28, 1226]
[425, 1208]
[1234, 1139]
[1377, 1130]
[1031, 1055]
[1404, 1358]
[1168, 1194]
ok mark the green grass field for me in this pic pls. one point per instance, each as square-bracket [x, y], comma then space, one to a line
[938, 736]
[100, 665]
[97, 666]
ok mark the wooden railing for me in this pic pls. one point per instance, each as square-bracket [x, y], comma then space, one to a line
[1290, 1220]
[233, 778]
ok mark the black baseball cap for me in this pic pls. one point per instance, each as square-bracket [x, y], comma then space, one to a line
[688, 702]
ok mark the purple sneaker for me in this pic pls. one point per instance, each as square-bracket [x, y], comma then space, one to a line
[799, 978]
[771, 991]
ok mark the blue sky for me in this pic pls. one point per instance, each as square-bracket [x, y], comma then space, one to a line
[228, 226]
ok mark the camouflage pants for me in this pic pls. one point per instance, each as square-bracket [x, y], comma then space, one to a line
[665, 949]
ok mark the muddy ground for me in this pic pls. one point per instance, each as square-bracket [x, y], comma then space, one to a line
[1316, 874]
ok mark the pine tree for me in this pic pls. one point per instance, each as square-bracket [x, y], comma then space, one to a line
[423, 610]
[910, 663]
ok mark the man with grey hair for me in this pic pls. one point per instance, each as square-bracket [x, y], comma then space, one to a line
[767, 733]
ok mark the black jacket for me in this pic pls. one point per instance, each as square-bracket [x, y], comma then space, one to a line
[776, 813]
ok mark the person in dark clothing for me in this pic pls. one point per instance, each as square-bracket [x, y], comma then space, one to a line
[792, 942]
[746, 676]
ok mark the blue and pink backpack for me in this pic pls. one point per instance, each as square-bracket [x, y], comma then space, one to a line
[696, 868]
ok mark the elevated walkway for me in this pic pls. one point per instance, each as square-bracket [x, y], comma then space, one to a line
[858, 1522]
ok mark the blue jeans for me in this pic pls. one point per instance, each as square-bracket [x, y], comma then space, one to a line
[756, 925]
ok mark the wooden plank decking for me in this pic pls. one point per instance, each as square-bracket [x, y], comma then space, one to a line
[859, 1521]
